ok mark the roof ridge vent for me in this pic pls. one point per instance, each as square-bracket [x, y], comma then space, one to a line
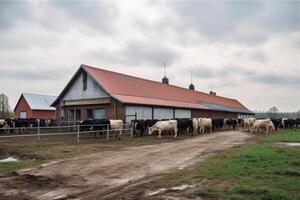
[165, 80]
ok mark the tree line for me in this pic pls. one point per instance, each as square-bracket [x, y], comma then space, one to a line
[274, 112]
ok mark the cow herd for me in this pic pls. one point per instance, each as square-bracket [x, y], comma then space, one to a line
[202, 125]
[100, 125]
[12, 125]
[140, 127]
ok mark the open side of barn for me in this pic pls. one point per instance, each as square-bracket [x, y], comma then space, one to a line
[94, 93]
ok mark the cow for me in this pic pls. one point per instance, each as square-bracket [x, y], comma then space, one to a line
[231, 123]
[290, 123]
[297, 122]
[160, 126]
[276, 123]
[95, 125]
[248, 124]
[116, 125]
[2, 125]
[217, 124]
[195, 126]
[283, 122]
[205, 123]
[184, 125]
[138, 125]
[150, 122]
[263, 124]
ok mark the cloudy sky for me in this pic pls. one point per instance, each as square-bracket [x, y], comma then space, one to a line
[244, 50]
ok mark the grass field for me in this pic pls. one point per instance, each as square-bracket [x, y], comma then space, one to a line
[255, 171]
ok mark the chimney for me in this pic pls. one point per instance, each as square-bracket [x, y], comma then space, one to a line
[192, 87]
[165, 80]
[213, 93]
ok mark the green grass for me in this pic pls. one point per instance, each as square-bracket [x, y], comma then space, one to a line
[258, 171]
[11, 166]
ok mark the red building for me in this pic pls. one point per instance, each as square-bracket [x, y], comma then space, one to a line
[35, 106]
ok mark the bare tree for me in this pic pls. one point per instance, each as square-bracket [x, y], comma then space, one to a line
[4, 106]
[273, 110]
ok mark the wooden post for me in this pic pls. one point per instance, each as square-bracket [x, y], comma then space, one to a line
[78, 130]
[39, 136]
[107, 132]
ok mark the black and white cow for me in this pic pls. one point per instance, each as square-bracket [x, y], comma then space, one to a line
[138, 126]
[184, 125]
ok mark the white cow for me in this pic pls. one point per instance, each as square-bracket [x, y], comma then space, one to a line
[195, 126]
[204, 123]
[248, 124]
[160, 126]
[116, 125]
[282, 122]
[263, 124]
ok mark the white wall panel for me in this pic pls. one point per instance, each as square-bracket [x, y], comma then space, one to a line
[163, 113]
[143, 112]
[76, 90]
[183, 113]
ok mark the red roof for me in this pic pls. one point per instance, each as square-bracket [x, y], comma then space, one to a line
[134, 90]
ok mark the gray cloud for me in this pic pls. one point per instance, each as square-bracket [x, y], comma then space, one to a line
[137, 52]
[225, 72]
[29, 74]
[256, 55]
[13, 40]
[97, 15]
[275, 79]
[242, 22]
[11, 12]
[228, 74]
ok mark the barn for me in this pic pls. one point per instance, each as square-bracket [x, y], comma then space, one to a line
[35, 106]
[94, 93]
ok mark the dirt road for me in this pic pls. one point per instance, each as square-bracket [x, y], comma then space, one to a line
[98, 175]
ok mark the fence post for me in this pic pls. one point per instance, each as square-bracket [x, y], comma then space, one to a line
[78, 130]
[39, 135]
[107, 132]
[131, 130]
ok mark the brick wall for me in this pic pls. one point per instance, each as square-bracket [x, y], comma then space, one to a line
[43, 114]
[213, 114]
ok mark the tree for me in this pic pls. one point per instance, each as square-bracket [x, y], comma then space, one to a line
[298, 114]
[4, 106]
[273, 110]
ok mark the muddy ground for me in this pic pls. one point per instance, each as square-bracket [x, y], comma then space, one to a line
[112, 174]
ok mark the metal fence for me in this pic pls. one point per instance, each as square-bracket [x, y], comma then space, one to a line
[77, 130]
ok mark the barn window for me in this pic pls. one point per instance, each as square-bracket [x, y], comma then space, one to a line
[23, 115]
[95, 113]
[89, 113]
[74, 114]
[84, 81]
[77, 114]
